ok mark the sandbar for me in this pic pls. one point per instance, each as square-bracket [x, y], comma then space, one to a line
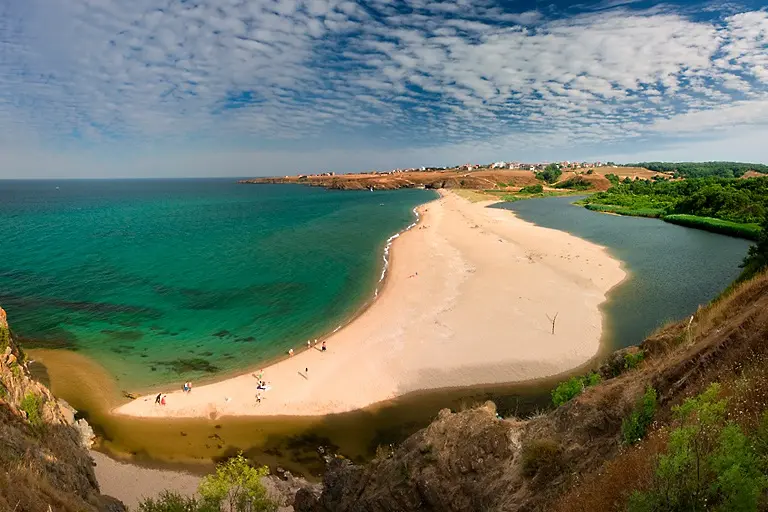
[468, 300]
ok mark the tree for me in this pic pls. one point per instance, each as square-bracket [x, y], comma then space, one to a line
[550, 174]
[757, 256]
[236, 486]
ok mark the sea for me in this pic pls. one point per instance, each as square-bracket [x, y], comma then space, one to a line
[168, 280]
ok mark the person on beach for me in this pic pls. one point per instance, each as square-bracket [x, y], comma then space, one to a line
[162, 400]
[306, 372]
[309, 345]
[157, 398]
[184, 387]
[324, 347]
[189, 387]
[290, 352]
[258, 397]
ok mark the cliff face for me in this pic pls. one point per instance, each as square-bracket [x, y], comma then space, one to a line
[572, 457]
[43, 459]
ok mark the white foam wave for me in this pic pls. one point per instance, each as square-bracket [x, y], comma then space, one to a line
[387, 247]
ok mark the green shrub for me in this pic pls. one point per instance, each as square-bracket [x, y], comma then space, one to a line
[591, 171]
[171, 502]
[541, 456]
[572, 387]
[757, 256]
[550, 174]
[5, 338]
[633, 360]
[532, 189]
[32, 404]
[634, 428]
[709, 464]
[236, 486]
[575, 183]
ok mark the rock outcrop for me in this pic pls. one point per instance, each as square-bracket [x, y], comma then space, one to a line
[43, 457]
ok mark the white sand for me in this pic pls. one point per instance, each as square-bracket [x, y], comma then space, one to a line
[476, 313]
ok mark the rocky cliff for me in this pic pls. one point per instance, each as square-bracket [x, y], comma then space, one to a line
[572, 457]
[44, 461]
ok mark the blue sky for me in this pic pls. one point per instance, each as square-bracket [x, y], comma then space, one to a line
[261, 87]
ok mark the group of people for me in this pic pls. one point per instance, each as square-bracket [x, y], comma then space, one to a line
[309, 345]
[160, 398]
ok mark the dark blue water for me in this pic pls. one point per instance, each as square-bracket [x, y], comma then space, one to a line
[672, 269]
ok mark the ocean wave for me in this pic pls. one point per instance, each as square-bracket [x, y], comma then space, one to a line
[387, 247]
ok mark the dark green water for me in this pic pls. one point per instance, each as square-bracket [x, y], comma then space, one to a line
[672, 269]
[161, 278]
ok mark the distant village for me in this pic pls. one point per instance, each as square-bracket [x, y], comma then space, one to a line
[475, 167]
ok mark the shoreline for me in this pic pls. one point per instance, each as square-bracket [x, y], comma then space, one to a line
[458, 253]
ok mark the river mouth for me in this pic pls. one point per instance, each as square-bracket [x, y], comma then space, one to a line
[298, 444]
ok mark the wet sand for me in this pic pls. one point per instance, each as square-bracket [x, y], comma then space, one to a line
[469, 299]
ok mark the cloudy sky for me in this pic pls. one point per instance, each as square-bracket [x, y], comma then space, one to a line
[263, 87]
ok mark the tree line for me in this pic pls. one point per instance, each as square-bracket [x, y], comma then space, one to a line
[702, 169]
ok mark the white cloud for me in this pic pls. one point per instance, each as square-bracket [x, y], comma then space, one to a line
[107, 74]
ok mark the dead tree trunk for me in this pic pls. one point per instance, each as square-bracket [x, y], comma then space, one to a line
[553, 320]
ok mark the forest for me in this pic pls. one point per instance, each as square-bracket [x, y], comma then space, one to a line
[702, 169]
[724, 205]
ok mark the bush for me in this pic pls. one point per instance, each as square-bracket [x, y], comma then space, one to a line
[757, 256]
[710, 464]
[591, 171]
[541, 456]
[236, 486]
[573, 387]
[32, 405]
[634, 428]
[550, 174]
[532, 189]
[632, 361]
[170, 502]
[575, 183]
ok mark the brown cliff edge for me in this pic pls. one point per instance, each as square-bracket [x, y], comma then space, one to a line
[44, 461]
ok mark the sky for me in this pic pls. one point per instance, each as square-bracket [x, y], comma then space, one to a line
[166, 88]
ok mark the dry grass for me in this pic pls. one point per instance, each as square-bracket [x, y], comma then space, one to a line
[609, 488]
[475, 196]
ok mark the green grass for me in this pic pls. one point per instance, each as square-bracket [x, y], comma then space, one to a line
[32, 404]
[724, 227]
[653, 213]
[572, 387]
[635, 426]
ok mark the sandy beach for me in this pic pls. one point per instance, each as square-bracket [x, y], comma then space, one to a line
[468, 300]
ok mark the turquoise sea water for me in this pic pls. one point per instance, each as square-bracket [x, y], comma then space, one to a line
[162, 280]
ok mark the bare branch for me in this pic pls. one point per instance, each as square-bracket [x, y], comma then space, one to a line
[553, 320]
